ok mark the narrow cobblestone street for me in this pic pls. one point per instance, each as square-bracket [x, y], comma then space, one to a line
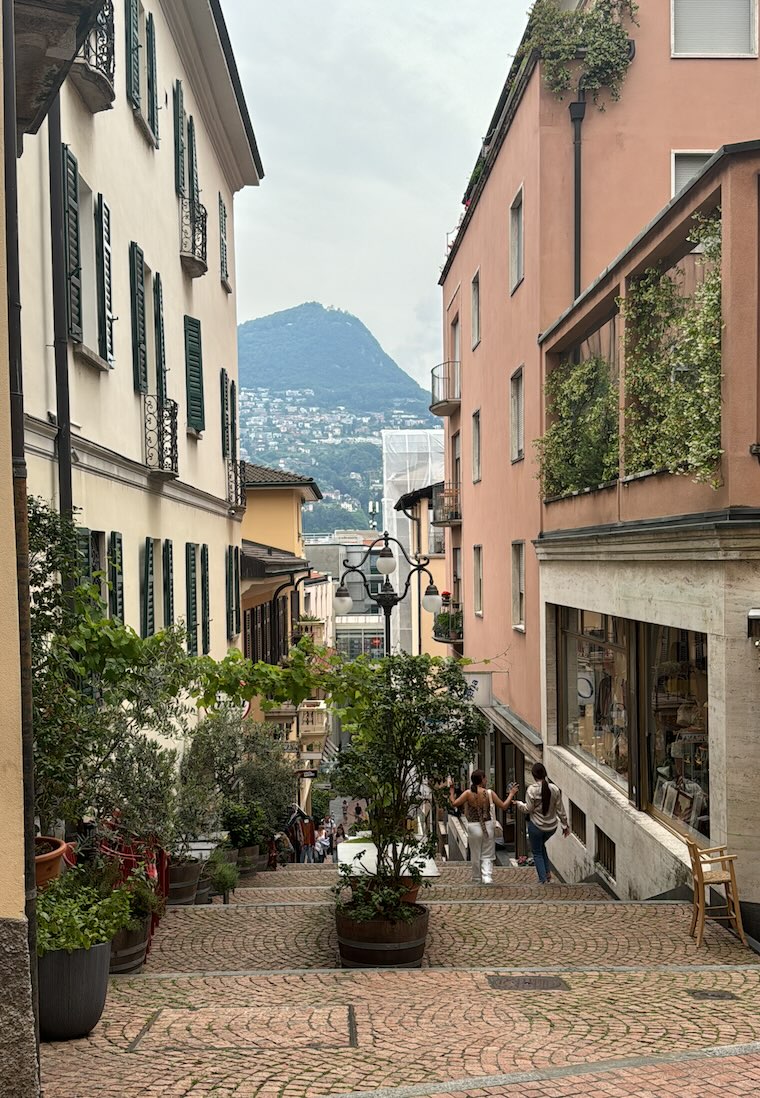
[248, 1000]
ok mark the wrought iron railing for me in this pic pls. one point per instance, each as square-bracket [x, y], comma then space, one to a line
[161, 449]
[446, 384]
[449, 624]
[195, 234]
[98, 48]
[236, 482]
[447, 504]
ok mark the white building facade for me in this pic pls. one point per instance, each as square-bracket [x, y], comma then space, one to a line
[129, 324]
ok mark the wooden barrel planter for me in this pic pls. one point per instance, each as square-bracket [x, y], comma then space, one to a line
[48, 859]
[183, 883]
[128, 949]
[72, 989]
[380, 943]
[248, 857]
[203, 892]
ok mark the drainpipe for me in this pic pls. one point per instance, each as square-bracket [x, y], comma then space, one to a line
[417, 521]
[21, 519]
[577, 114]
[60, 322]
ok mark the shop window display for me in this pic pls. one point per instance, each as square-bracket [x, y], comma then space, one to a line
[596, 691]
[677, 733]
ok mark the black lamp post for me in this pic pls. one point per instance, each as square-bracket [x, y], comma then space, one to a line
[387, 597]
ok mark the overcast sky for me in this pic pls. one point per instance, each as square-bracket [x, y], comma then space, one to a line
[369, 119]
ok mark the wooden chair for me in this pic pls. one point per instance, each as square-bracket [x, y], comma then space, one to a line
[713, 866]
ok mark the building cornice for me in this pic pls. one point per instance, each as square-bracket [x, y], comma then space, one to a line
[732, 534]
[206, 54]
[95, 460]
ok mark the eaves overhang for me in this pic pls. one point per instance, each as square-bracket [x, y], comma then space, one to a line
[48, 35]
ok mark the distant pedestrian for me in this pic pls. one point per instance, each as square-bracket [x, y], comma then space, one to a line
[321, 843]
[338, 837]
[543, 803]
[478, 803]
[307, 842]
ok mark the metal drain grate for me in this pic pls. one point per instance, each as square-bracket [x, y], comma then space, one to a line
[712, 994]
[527, 983]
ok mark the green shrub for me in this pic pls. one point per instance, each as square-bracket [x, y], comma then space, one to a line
[74, 914]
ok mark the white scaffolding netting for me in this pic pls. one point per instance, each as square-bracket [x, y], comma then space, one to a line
[411, 460]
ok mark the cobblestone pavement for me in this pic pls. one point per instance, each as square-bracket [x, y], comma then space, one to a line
[248, 1001]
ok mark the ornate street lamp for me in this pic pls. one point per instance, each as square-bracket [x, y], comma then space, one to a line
[387, 597]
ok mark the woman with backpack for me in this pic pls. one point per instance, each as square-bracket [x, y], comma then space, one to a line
[543, 803]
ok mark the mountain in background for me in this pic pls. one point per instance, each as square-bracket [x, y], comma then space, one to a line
[331, 352]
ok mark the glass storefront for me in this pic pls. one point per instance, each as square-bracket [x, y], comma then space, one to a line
[360, 642]
[633, 704]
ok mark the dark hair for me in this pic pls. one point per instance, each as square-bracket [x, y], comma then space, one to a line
[476, 780]
[538, 771]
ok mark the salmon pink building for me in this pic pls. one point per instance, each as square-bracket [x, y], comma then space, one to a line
[609, 572]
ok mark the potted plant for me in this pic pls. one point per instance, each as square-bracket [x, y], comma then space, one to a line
[223, 876]
[412, 724]
[193, 816]
[130, 944]
[245, 825]
[75, 924]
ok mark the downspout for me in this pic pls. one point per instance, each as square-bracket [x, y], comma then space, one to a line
[60, 322]
[577, 114]
[20, 510]
[417, 521]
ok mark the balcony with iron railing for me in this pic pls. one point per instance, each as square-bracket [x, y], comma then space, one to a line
[236, 496]
[446, 392]
[448, 627]
[92, 73]
[194, 237]
[447, 505]
[313, 629]
[161, 447]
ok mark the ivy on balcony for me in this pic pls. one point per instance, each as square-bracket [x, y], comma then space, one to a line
[589, 43]
[673, 366]
[579, 449]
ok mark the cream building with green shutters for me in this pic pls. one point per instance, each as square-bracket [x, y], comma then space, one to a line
[129, 322]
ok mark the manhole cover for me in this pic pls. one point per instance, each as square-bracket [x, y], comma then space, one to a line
[711, 994]
[527, 983]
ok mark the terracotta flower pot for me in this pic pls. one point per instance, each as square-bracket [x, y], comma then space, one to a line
[47, 863]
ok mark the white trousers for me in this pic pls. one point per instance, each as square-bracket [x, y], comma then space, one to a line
[482, 852]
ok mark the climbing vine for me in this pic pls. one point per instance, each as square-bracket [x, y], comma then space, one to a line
[580, 447]
[673, 366]
[591, 43]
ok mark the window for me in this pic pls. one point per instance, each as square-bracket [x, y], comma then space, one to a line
[223, 246]
[686, 165]
[477, 578]
[139, 318]
[196, 410]
[456, 459]
[142, 73]
[360, 642]
[232, 591]
[456, 576]
[191, 597]
[517, 416]
[518, 584]
[714, 28]
[516, 243]
[87, 250]
[476, 310]
[456, 340]
[578, 822]
[168, 583]
[116, 575]
[147, 590]
[205, 602]
[476, 447]
[605, 853]
[436, 546]
[180, 146]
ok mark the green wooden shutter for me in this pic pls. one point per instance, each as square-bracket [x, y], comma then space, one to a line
[205, 602]
[150, 42]
[84, 553]
[168, 583]
[116, 575]
[233, 421]
[160, 336]
[196, 412]
[194, 192]
[192, 598]
[229, 589]
[148, 619]
[179, 139]
[225, 402]
[104, 264]
[139, 337]
[132, 14]
[236, 591]
[72, 244]
[224, 255]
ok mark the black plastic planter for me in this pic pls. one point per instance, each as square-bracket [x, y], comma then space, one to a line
[73, 989]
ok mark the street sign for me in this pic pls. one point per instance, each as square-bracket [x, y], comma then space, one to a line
[306, 773]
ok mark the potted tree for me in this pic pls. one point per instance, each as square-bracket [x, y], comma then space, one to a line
[412, 725]
[76, 920]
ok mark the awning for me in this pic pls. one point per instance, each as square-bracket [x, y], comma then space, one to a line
[517, 731]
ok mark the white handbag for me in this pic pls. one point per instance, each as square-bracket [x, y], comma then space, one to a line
[498, 830]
